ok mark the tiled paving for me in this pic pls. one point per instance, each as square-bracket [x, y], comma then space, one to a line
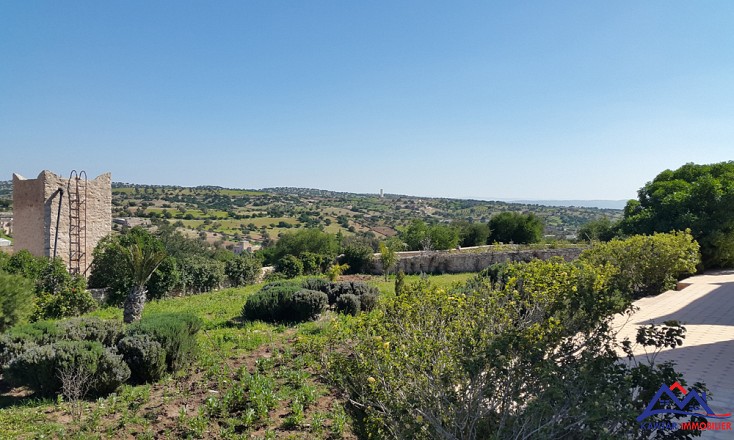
[706, 309]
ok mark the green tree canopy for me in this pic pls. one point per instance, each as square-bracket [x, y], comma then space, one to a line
[601, 229]
[420, 236]
[471, 234]
[515, 227]
[302, 241]
[695, 197]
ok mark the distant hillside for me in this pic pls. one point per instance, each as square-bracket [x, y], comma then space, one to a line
[601, 204]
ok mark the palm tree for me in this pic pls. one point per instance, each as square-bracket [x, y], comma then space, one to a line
[142, 261]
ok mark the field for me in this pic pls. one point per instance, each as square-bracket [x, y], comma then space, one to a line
[284, 361]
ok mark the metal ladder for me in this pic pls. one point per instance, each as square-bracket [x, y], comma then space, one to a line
[77, 190]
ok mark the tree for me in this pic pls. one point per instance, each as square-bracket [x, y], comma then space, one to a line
[388, 258]
[415, 234]
[695, 197]
[601, 229]
[141, 260]
[304, 240]
[471, 234]
[243, 270]
[420, 236]
[514, 227]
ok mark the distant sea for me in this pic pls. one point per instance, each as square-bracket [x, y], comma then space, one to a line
[603, 204]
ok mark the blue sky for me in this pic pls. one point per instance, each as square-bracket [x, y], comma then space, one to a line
[537, 100]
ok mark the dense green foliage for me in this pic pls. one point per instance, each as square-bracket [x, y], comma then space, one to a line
[190, 266]
[601, 229]
[16, 299]
[472, 234]
[421, 236]
[145, 357]
[290, 266]
[514, 227]
[21, 337]
[647, 264]
[522, 352]
[349, 304]
[110, 269]
[41, 368]
[358, 255]
[302, 241]
[334, 290]
[176, 333]
[284, 302]
[242, 270]
[101, 352]
[57, 293]
[695, 197]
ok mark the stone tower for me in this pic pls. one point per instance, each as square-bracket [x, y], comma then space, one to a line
[84, 216]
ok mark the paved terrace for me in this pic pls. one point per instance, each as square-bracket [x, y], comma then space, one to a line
[706, 309]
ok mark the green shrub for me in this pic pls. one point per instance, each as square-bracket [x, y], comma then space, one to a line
[40, 368]
[60, 294]
[145, 357]
[243, 270]
[105, 331]
[25, 264]
[306, 305]
[647, 264]
[165, 279]
[277, 284]
[319, 284]
[21, 337]
[16, 299]
[348, 304]
[368, 301]
[201, 274]
[284, 303]
[359, 257]
[35, 368]
[175, 332]
[334, 290]
[313, 264]
[290, 266]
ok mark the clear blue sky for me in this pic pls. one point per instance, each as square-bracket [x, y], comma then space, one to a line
[551, 100]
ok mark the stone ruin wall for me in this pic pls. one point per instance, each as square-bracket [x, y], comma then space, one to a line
[35, 210]
[439, 262]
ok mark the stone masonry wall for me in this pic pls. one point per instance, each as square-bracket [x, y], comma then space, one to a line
[35, 207]
[458, 262]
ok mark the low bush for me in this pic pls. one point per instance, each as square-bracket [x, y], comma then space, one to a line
[285, 302]
[145, 357]
[348, 304]
[16, 299]
[306, 305]
[176, 333]
[319, 284]
[368, 301]
[21, 337]
[105, 331]
[40, 368]
[647, 264]
[336, 289]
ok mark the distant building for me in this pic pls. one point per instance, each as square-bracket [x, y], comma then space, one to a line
[382, 193]
[54, 216]
[244, 246]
